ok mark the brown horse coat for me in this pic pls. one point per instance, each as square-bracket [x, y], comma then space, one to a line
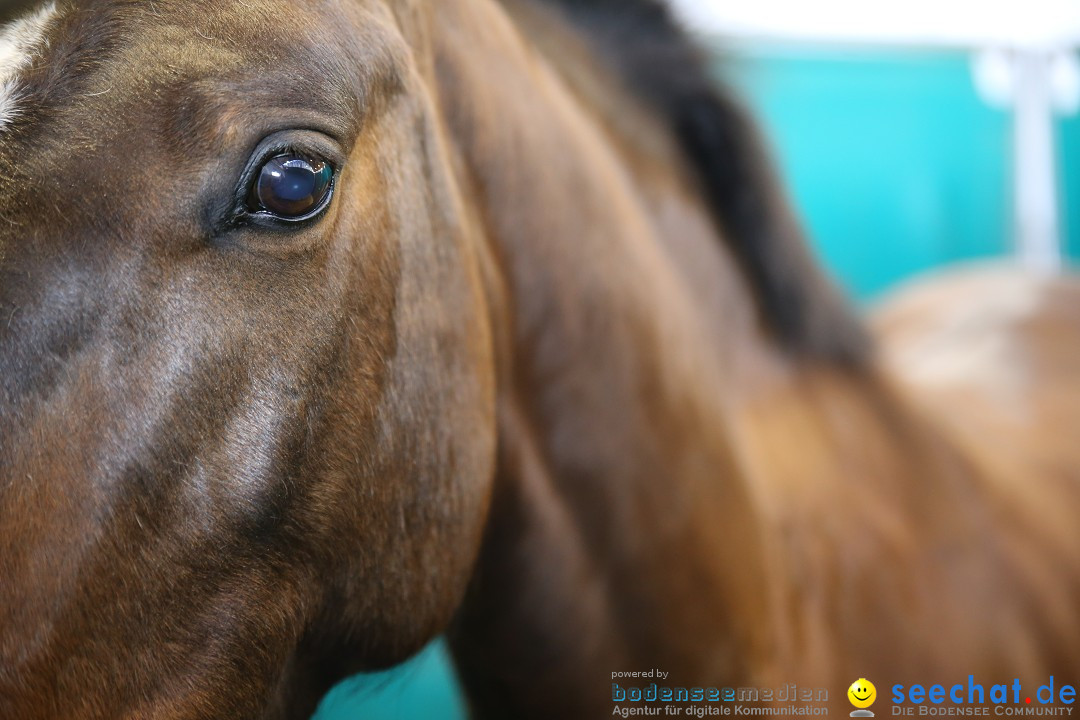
[553, 373]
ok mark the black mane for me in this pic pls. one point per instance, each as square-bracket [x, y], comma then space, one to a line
[660, 63]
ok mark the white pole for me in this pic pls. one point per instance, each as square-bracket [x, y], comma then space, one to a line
[1034, 155]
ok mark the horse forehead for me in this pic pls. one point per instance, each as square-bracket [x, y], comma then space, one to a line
[115, 63]
[20, 42]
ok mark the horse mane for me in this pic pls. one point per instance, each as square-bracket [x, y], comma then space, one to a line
[659, 62]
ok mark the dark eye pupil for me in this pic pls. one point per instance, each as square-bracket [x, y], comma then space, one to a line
[292, 187]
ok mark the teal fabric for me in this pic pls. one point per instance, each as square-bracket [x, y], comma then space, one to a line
[895, 167]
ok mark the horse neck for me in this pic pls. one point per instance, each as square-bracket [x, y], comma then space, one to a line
[625, 532]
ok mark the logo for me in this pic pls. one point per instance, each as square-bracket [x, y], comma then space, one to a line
[973, 698]
[862, 695]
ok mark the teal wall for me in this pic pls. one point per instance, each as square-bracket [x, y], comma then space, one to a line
[894, 165]
[892, 160]
[423, 689]
[1069, 144]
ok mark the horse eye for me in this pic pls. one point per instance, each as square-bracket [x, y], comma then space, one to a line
[292, 187]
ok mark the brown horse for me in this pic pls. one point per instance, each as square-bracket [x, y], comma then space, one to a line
[327, 327]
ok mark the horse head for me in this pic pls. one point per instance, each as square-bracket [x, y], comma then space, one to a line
[329, 327]
[246, 374]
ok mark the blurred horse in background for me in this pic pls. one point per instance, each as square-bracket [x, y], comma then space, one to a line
[329, 327]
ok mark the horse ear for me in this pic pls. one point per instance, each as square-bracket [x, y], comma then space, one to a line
[662, 66]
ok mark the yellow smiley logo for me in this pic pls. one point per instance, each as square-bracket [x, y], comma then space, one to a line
[862, 693]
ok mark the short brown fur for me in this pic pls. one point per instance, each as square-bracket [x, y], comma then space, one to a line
[518, 385]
